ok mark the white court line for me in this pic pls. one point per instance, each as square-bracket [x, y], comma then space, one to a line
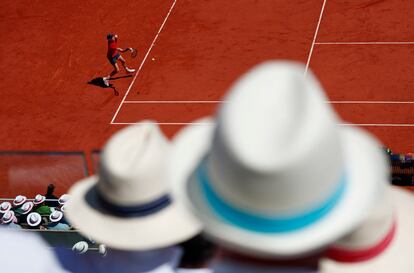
[221, 101]
[143, 61]
[314, 38]
[364, 43]
[212, 124]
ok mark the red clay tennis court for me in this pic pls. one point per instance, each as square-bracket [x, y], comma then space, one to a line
[190, 52]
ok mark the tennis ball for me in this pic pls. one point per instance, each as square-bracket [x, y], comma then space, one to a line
[153, 58]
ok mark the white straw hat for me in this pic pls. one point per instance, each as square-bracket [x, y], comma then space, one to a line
[63, 199]
[27, 207]
[63, 208]
[8, 216]
[39, 199]
[128, 205]
[383, 243]
[56, 216]
[273, 174]
[5, 206]
[102, 250]
[80, 247]
[34, 219]
[19, 200]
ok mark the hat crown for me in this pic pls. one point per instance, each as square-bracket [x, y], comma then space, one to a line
[274, 124]
[8, 215]
[5, 205]
[27, 206]
[34, 219]
[132, 165]
[56, 216]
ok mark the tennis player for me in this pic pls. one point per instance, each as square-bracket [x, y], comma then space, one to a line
[113, 55]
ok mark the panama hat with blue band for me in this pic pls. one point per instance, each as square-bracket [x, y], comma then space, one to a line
[273, 174]
[128, 205]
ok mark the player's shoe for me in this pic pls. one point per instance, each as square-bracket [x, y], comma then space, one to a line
[105, 81]
[130, 70]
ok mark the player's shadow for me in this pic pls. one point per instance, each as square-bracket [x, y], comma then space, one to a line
[100, 83]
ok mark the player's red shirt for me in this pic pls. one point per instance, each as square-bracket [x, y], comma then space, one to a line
[112, 48]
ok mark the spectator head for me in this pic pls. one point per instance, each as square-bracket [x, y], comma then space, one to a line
[27, 207]
[63, 199]
[276, 177]
[80, 247]
[7, 217]
[131, 194]
[5, 206]
[34, 219]
[19, 200]
[56, 216]
[39, 199]
[50, 189]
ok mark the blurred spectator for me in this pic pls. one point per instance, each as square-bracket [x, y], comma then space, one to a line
[63, 199]
[275, 180]
[5, 206]
[39, 200]
[197, 255]
[43, 209]
[49, 195]
[34, 220]
[127, 207]
[382, 243]
[19, 201]
[80, 247]
[55, 221]
[23, 252]
[22, 212]
[7, 220]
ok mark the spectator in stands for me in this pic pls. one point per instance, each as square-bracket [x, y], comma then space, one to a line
[55, 221]
[7, 220]
[275, 181]
[62, 209]
[128, 207]
[34, 220]
[39, 200]
[4, 207]
[382, 243]
[22, 212]
[50, 196]
[198, 252]
[19, 201]
[23, 252]
[41, 206]
[63, 199]
[80, 247]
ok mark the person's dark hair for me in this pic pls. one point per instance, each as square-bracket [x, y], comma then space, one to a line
[197, 252]
[50, 189]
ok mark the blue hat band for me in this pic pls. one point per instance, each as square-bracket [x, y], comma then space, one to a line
[133, 211]
[263, 224]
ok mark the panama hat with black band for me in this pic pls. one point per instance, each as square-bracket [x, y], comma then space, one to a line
[128, 206]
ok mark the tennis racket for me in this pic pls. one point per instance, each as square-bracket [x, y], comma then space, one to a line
[134, 52]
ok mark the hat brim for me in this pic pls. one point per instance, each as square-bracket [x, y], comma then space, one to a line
[397, 257]
[365, 168]
[40, 201]
[167, 227]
